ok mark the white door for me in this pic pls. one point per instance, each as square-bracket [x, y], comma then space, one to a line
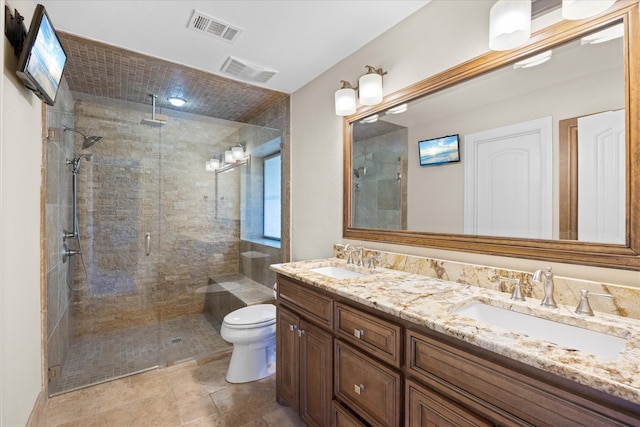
[601, 178]
[508, 181]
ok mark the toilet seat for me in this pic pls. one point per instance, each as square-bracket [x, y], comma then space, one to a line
[253, 316]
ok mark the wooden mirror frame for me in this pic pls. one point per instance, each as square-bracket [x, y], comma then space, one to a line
[625, 256]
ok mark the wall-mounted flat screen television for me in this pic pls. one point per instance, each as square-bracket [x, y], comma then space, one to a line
[437, 151]
[42, 58]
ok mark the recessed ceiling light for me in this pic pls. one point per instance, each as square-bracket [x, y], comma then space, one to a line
[177, 102]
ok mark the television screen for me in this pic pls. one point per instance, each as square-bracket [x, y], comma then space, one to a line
[441, 150]
[42, 59]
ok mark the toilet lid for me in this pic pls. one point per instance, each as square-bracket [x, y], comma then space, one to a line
[259, 314]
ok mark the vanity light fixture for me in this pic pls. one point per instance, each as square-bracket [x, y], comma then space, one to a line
[605, 35]
[370, 119]
[581, 9]
[238, 152]
[370, 84]
[176, 102]
[534, 60]
[228, 156]
[212, 165]
[345, 99]
[509, 24]
[369, 89]
[398, 109]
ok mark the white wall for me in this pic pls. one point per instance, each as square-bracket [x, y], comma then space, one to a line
[437, 37]
[20, 164]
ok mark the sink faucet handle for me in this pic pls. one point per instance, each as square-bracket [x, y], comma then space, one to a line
[372, 260]
[348, 249]
[516, 294]
[360, 261]
[584, 308]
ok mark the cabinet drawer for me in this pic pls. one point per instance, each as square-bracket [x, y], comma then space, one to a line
[486, 386]
[427, 408]
[307, 302]
[371, 389]
[372, 334]
[341, 417]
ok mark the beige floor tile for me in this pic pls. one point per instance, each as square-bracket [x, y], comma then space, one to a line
[243, 403]
[186, 395]
[193, 409]
[283, 417]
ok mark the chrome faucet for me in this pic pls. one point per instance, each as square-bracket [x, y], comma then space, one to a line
[548, 300]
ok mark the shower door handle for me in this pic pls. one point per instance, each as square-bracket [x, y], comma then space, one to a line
[147, 243]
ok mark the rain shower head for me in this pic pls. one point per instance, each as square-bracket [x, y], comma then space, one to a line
[155, 119]
[88, 140]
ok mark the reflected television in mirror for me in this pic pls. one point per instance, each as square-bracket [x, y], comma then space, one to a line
[438, 151]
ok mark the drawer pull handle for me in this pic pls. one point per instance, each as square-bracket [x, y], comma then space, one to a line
[358, 333]
[292, 328]
[358, 388]
[300, 332]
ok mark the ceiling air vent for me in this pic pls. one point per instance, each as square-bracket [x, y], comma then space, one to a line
[213, 27]
[247, 71]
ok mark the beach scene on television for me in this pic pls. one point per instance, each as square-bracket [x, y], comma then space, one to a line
[439, 150]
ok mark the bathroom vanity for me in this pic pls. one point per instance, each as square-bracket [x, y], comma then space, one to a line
[381, 347]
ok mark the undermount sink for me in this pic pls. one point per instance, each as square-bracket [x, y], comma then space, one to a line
[337, 272]
[566, 336]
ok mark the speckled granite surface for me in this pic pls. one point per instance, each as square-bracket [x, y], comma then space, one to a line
[431, 302]
[625, 302]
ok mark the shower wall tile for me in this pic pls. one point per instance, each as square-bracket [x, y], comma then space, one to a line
[59, 307]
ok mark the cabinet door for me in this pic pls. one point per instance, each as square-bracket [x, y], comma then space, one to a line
[287, 358]
[316, 351]
[427, 409]
[369, 388]
[341, 417]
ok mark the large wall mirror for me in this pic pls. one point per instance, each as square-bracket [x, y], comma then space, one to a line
[530, 153]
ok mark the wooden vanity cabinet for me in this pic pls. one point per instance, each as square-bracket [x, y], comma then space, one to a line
[489, 388]
[304, 349]
[345, 365]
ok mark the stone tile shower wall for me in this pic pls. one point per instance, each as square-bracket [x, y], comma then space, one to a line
[379, 181]
[142, 180]
[58, 217]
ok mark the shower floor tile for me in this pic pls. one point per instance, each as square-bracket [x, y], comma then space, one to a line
[102, 357]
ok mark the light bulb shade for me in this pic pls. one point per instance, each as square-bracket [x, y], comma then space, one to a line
[370, 88]
[509, 24]
[212, 165]
[238, 152]
[228, 156]
[345, 101]
[581, 9]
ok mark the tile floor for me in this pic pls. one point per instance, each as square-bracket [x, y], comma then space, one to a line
[189, 394]
[101, 357]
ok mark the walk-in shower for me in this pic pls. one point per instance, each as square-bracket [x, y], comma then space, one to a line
[169, 247]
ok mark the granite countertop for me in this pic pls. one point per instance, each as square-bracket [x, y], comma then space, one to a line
[432, 302]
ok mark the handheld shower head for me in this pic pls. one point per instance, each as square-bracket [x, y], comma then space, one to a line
[75, 163]
[88, 140]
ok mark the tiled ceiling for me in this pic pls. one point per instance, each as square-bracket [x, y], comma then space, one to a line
[102, 70]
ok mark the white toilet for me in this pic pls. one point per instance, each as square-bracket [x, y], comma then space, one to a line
[252, 331]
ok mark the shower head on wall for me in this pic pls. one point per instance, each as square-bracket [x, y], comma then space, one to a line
[88, 140]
